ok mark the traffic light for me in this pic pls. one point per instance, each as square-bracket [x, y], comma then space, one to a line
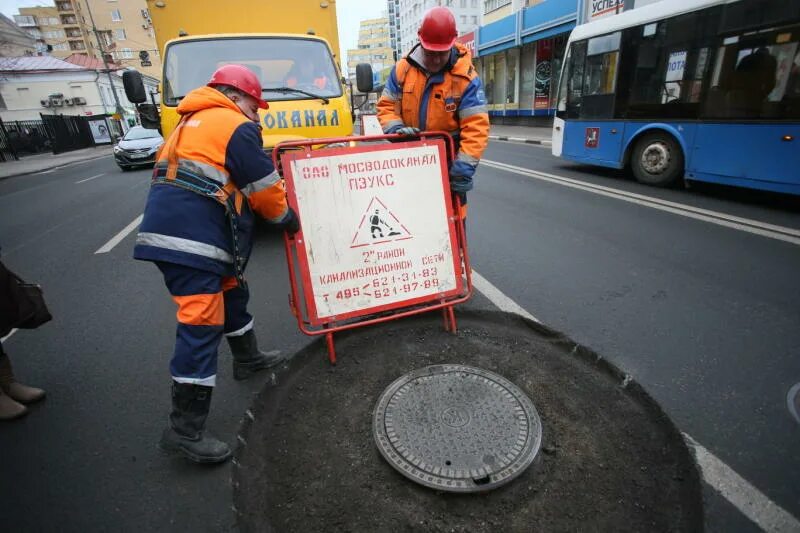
[144, 58]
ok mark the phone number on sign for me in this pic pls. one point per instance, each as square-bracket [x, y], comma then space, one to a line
[386, 286]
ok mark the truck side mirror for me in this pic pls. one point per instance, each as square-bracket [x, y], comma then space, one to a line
[364, 77]
[148, 114]
[134, 87]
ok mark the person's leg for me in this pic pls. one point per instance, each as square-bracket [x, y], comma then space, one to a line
[200, 315]
[247, 358]
[9, 408]
[14, 389]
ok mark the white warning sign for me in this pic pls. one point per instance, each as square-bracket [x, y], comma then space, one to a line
[376, 227]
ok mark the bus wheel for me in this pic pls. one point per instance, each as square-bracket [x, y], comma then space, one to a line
[657, 160]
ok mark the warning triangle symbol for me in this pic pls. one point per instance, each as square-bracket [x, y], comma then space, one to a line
[378, 225]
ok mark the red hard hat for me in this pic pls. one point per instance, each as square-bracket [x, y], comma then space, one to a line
[438, 30]
[239, 77]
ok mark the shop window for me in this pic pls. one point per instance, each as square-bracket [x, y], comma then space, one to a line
[543, 74]
[499, 87]
[488, 78]
[512, 68]
[527, 76]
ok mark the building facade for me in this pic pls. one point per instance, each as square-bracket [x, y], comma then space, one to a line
[409, 14]
[61, 30]
[374, 47]
[124, 31]
[34, 86]
[393, 10]
[520, 49]
[15, 42]
[127, 33]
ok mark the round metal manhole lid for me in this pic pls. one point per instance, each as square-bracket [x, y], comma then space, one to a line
[457, 428]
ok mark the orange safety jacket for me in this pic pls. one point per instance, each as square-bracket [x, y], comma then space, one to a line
[210, 176]
[452, 100]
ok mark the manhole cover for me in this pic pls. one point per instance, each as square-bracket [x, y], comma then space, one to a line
[457, 428]
[793, 402]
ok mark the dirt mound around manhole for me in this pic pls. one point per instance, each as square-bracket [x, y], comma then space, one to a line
[610, 459]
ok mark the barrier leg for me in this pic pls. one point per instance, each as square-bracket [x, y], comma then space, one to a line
[331, 348]
[451, 313]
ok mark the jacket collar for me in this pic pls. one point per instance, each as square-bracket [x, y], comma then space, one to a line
[459, 64]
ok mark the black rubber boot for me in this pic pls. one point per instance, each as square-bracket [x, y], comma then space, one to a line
[248, 359]
[185, 435]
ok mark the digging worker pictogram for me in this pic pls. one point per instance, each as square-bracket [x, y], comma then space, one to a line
[376, 222]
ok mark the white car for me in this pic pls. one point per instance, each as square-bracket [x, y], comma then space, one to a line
[138, 148]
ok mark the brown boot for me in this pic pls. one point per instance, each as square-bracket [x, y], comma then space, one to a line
[9, 409]
[16, 391]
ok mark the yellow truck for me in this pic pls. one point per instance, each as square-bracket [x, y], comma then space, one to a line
[296, 61]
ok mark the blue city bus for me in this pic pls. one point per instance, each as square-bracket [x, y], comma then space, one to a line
[699, 90]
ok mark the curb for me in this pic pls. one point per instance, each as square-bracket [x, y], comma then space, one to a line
[55, 167]
[520, 140]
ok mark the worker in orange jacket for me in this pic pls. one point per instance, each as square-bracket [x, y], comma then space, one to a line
[212, 174]
[435, 87]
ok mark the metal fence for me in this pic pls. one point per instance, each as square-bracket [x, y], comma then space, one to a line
[24, 137]
[54, 133]
[68, 132]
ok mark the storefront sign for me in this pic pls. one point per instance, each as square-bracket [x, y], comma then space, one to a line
[596, 9]
[544, 67]
[468, 40]
[376, 230]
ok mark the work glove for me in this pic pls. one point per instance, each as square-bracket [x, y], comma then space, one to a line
[407, 130]
[291, 224]
[460, 184]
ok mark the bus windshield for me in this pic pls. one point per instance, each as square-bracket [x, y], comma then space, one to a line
[297, 68]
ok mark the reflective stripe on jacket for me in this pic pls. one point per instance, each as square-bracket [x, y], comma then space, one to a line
[451, 101]
[215, 144]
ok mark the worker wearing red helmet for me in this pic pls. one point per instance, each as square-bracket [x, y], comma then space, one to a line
[435, 87]
[211, 176]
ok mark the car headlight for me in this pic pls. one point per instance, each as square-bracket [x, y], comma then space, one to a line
[156, 148]
[117, 149]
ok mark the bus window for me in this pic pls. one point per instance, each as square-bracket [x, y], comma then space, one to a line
[600, 80]
[666, 66]
[755, 76]
[574, 80]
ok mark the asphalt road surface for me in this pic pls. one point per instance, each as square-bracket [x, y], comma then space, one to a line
[693, 293]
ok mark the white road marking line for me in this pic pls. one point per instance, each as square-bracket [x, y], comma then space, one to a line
[93, 177]
[46, 172]
[4, 339]
[763, 229]
[115, 240]
[733, 487]
[749, 500]
[500, 300]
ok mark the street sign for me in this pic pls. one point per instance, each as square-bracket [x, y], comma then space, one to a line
[376, 228]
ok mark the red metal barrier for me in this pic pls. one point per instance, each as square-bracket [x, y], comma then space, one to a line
[310, 319]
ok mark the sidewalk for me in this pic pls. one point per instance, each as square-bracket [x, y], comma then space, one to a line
[526, 134]
[39, 162]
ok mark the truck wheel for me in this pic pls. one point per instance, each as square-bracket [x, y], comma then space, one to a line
[657, 160]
